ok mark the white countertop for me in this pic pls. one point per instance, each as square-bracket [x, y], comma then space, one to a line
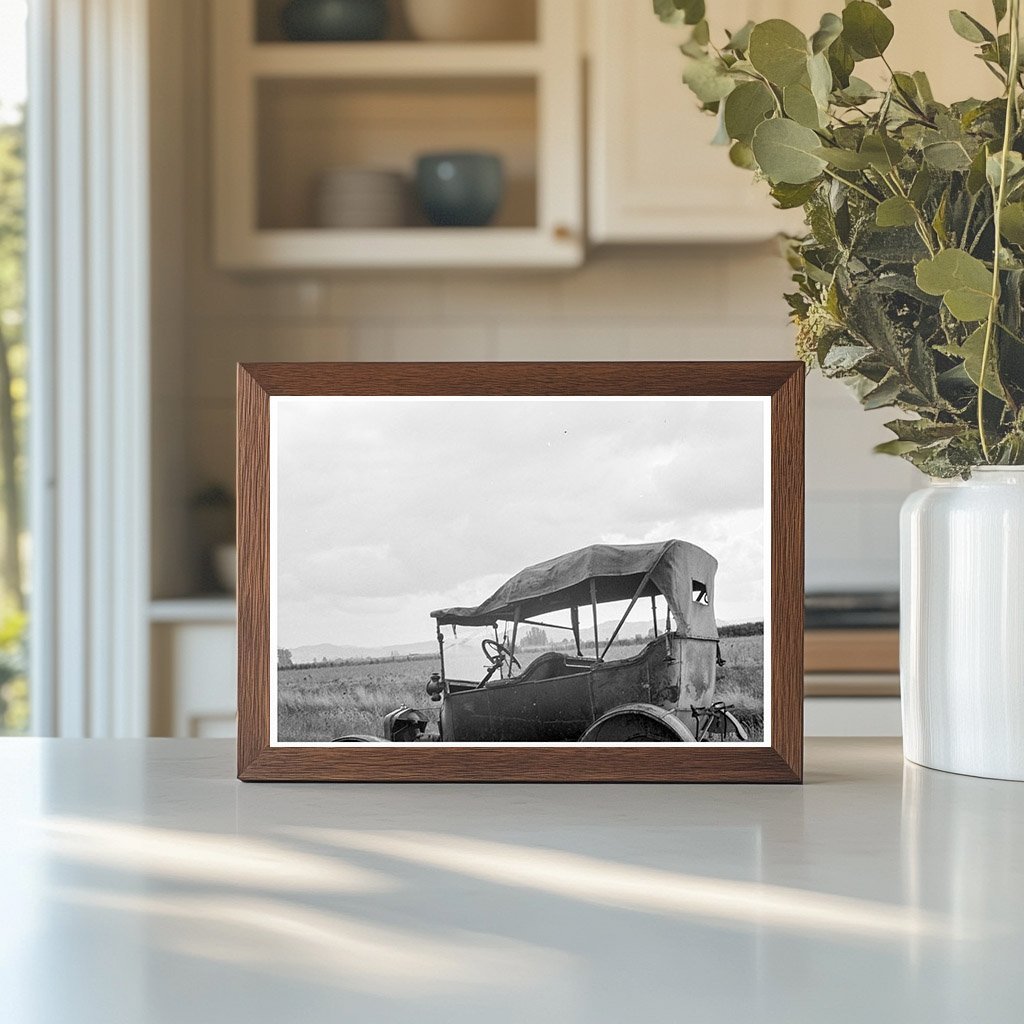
[143, 885]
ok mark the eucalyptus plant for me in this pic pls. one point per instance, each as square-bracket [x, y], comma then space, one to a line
[909, 280]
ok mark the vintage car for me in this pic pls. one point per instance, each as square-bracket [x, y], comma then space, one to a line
[663, 693]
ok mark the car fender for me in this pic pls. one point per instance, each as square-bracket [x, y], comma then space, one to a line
[666, 718]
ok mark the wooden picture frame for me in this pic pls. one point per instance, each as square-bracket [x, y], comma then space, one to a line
[779, 759]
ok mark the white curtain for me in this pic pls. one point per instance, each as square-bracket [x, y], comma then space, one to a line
[88, 317]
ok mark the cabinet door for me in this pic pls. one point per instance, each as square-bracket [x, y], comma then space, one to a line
[653, 175]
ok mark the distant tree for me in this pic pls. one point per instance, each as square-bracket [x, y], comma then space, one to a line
[284, 658]
[535, 637]
[13, 403]
[14, 705]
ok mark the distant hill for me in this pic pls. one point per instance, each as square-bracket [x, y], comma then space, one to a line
[342, 652]
[349, 652]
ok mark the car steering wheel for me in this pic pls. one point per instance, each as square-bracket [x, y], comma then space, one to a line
[500, 654]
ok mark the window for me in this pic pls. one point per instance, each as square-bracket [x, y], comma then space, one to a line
[14, 705]
[700, 592]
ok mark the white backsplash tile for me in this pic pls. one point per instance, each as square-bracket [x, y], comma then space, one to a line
[717, 302]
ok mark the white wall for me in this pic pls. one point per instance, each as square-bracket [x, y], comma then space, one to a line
[655, 303]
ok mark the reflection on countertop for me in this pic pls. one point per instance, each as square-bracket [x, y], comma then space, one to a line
[154, 887]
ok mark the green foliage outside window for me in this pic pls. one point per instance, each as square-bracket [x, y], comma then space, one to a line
[13, 412]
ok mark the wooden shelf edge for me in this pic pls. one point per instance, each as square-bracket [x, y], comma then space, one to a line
[406, 248]
[392, 60]
[851, 684]
[852, 650]
[213, 608]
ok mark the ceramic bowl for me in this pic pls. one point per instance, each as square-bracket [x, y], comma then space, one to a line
[460, 189]
[469, 20]
[334, 20]
[358, 197]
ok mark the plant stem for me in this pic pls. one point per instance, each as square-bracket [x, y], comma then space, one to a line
[856, 188]
[993, 309]
[923, 228]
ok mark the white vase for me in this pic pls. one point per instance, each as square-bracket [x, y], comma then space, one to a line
[962, 624]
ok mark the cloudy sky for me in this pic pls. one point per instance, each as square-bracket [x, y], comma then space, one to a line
[388, 509]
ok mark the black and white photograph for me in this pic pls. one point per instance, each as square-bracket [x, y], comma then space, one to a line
[499, 570]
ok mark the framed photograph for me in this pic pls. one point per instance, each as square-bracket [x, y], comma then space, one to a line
[520, 572]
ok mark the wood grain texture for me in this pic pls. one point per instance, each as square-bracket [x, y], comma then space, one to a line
[252, 487]
[852, 650]
[781, 762]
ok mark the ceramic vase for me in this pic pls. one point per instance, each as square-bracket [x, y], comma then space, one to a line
[962, 624]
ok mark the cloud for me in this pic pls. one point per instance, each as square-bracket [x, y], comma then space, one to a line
[387, 509]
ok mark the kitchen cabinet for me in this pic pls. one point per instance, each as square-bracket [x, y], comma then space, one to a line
[653, 175]
[287, 113]
[193, 668]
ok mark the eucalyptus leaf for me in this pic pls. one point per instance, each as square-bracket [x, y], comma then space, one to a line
[976, 178]
[893, 276]
[922, 431]
[829, 30]
[921, 185]
[947, 156]
[858, 91]
[906, 87]
[739, 41]
[745, 108]
[895, 447]
[969, 28]
[1012, 225]
[883, 153]
[866, 30]
[841, 60]
[819, 74]
[1014, 169]
[708, 81]
[884, 395]
[779, 51]
[800, 105]
[741, 155]
[789, 197]
[895, 212]
[972, 353]
[924, 87]
[675, 12]
[844, 159]
[786, 152]
[963, 281]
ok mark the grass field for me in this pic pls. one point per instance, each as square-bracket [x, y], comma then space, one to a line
[323, 702]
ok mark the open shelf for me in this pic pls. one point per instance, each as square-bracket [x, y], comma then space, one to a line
[286, 114]
[306, 128]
